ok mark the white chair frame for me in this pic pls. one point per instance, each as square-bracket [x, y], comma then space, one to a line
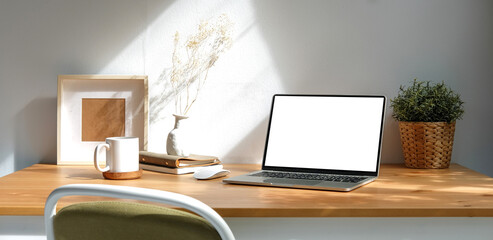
[143, 194]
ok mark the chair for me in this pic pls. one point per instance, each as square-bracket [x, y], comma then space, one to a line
[127, 220]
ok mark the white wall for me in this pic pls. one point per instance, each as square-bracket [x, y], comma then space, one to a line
[361, 47]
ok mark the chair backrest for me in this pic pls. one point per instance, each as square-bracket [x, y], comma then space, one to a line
[143, 194]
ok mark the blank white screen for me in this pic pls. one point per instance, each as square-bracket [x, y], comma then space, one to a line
[337, 133]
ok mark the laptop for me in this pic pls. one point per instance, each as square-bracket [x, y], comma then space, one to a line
[326, 142]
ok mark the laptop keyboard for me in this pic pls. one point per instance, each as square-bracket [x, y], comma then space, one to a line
[310, 176]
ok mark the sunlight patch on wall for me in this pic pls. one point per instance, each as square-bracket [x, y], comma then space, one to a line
[235, 101]
[7, 164]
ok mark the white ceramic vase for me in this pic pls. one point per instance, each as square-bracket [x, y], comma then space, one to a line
[176, 143]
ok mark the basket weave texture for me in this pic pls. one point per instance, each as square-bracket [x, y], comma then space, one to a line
[427, 144]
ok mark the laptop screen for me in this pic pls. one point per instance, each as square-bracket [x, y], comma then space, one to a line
[318, 132]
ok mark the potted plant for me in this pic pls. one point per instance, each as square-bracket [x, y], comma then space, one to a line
[427, 113]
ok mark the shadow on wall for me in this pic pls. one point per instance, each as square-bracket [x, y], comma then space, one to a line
[251, 145]
[35, 133]
[391, 143]
[330, 49]
[159, 102]
[325, 46]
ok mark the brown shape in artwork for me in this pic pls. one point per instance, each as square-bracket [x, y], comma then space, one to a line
[102, 118]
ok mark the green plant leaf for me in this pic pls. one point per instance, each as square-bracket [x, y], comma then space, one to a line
[425, 101]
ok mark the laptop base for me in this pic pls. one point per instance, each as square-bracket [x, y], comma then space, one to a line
[296, 183]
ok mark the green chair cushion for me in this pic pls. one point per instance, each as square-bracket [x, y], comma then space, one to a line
[126, 220]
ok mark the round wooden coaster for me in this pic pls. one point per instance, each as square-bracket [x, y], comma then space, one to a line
[122, 175]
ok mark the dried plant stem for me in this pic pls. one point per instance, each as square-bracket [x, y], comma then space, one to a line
[198, 91]
[188, 97]
[200, 51]
[173, 84]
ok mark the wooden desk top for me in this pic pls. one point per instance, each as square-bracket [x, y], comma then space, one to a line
[398, 192]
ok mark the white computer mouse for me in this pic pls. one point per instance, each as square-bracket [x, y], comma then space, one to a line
[207, 173]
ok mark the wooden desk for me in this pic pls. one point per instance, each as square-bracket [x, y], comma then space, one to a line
[398, 192]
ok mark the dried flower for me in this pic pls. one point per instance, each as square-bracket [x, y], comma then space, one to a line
[193, 59]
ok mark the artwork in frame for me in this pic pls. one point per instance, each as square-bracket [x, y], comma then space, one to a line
[94, 107]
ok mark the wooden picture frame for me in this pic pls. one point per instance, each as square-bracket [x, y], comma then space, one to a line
[93, 107]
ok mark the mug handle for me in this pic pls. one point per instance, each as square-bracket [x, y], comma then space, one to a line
[96, 151]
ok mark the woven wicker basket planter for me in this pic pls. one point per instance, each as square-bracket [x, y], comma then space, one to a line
[427, 144]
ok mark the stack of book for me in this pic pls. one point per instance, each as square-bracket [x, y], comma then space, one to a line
[165, 163]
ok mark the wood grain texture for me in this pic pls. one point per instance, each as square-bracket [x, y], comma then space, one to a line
[102, 118]
[398, 192]
[122, 175]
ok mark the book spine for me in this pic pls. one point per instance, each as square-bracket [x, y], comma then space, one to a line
[161, 169]
[176, 171]
[158, 161]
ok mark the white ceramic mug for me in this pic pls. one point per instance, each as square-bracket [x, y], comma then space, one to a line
[122, 154]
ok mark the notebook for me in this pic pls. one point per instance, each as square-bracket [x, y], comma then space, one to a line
[326, 142]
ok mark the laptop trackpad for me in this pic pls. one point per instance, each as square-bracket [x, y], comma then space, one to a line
[292, 181]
